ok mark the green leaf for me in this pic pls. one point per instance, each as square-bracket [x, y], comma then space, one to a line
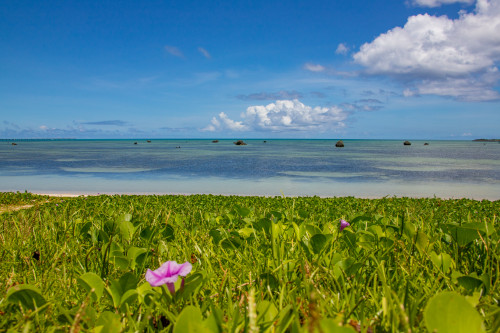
[263, 224]
[245, 232]
[85, 228]
[120, 261]
[285, 318]
[470, 283]
[349, 238]
[242, 211]
[465, 233]
[361, 218]
[92, 283]
[190, 320]
[127, 298]
[127, 230]
[269, 280]
[409, 229]
[136, 256]
[331, 326]
[192, 284]
[312, 229]
[422, 241]
[442, 261]
[214, 321]
[216, 235]
[449, 312]
[26, 296]
[168, 233]
[119, 287]
[145, 293]
[303, 213]
[318, 242]
[147, 233]
[108, 322]
[267, 312]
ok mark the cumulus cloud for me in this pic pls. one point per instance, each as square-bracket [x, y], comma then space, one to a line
[224, 123]
[283, 115]
[314, 67]
[429, 52]
[342, 49]
[437, 3]
[174, 51]
[204, 52]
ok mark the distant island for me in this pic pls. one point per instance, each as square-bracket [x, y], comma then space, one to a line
[487, 140]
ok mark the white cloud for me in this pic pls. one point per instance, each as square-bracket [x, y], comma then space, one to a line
[437, 3]
[283, 115]
[174, 51]
[314, 67]
[224, 123]
[429, 51]
[204, 52]
[409, 92]
[342, 49]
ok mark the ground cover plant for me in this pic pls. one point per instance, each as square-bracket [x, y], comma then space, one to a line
[248, 264]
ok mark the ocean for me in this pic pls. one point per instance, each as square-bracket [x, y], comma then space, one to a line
[362, 168]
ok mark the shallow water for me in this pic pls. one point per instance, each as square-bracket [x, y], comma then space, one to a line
[363, 168]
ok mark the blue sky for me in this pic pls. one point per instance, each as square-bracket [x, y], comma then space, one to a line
[415, 69]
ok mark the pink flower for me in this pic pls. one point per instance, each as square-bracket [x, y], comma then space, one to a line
[167, 274]
[343, 224]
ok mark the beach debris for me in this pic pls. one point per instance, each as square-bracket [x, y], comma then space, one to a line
[407, 143]
[167, 274]
[240, 143]
[339, 144]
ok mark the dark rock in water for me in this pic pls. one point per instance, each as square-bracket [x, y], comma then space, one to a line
[135, 143]
[426, 144]
[339, 144]
[407, 143]
[148, 141]
[215, 141]
[240, 143]
[14, 144]
[265, 141]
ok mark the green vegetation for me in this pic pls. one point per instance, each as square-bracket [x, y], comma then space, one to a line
[259, 264]
[15, 201]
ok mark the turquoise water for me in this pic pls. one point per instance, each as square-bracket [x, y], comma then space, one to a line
[363, 168]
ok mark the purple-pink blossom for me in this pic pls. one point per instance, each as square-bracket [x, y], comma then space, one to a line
[168, 274]
[343, 224]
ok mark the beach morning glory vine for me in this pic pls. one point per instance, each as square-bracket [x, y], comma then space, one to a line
[168, 274]
[344, 224]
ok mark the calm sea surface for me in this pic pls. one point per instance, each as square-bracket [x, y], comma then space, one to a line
[363, 168]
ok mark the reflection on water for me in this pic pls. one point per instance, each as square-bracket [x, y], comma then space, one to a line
[296, 167]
